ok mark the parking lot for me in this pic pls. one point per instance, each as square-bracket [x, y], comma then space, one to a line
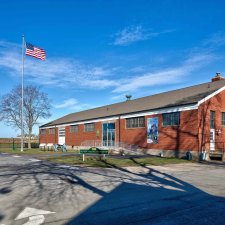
[39, 192]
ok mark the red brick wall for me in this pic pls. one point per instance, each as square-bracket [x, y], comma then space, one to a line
[183, 137]
[10, 140]
[43, 138]
[78, 138]
[216, 104]
[73, 138]
[49, 138]
[192, 134]
[118, 134]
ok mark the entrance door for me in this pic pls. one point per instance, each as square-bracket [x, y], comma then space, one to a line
[61, 135]
[108, 135]
[212, 139]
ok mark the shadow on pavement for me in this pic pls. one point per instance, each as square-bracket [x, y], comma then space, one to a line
[5, 190]
[124, 196]
[157, 199]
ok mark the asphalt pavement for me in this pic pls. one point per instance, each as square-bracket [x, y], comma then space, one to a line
[38, 192]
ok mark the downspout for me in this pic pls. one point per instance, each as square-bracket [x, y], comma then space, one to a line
[198, 132]
[39, 136]
[119, 128]
[55, 135]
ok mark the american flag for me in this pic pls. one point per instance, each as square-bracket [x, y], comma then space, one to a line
[34, 51]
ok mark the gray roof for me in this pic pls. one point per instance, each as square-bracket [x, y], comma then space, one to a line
[180, 97]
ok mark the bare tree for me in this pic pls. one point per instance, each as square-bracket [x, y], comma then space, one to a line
[36, 106]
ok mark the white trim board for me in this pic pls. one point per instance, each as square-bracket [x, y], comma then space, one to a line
[85, 122]
[160, 111]
[211, 95]
[174, 109]
[152, 112]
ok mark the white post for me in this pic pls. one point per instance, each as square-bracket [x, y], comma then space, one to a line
[22, 130]
[83, 157]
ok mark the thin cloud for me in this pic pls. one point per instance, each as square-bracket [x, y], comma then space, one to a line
[72, 104]
[66, 72]
[133, 34]
[166, 76]
[67, 103]
[55, 72]
[215, 40]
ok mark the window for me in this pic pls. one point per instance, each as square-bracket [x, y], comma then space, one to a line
[135, 122]
[212, 119]
[43, 131]
[74, 129]
[170, 119]
[89, 127]
[61, 131]
[223, 118]
[52, 131]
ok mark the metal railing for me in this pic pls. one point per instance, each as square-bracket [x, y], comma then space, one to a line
[15, 144]
[127, 148]
[92, 143]
[114, 146]
[11, 145]
[216, 146]
[108, 143]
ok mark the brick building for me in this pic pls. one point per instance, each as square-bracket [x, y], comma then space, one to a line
[187, 119]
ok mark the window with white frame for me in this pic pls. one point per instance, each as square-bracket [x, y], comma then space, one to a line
[73, 128]
[89, 127]
[61, 131]
[43, 131]
[223, 118]
[135, 122]
[52, 131]
[171, 119]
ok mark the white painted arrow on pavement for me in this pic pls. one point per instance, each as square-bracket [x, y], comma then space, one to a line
[35, 216]
[35, 220]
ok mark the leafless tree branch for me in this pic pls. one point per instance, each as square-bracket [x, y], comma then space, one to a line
[36, 106]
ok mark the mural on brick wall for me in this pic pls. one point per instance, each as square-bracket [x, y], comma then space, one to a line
[152, 130]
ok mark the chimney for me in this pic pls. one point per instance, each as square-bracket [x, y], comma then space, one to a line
[218, 77]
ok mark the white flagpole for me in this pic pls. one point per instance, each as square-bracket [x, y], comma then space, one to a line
[22, 130]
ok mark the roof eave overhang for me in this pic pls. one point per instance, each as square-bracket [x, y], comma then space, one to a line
[211, 95]
[174, 108]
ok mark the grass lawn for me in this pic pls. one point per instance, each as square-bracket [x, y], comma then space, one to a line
[109, 162]
[32, 151]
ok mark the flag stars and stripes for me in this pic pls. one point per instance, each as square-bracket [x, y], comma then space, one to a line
[34, 51]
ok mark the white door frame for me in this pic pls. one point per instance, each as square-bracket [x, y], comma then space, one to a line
[212, 139]
[61, 135]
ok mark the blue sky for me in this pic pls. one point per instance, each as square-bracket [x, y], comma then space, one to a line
[98, 51]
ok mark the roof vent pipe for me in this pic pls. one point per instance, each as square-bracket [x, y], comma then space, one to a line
[128, 97]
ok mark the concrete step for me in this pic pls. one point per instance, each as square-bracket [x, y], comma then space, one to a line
[216, 155]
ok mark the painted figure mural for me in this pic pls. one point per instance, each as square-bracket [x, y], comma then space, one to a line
[152, 130]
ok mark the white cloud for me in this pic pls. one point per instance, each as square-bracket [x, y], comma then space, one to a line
[72, 104]
[70, 73]
[129, 35]
[56, 72]
[164, 76]
[67, 103]
[215, 40]
[133, 34]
